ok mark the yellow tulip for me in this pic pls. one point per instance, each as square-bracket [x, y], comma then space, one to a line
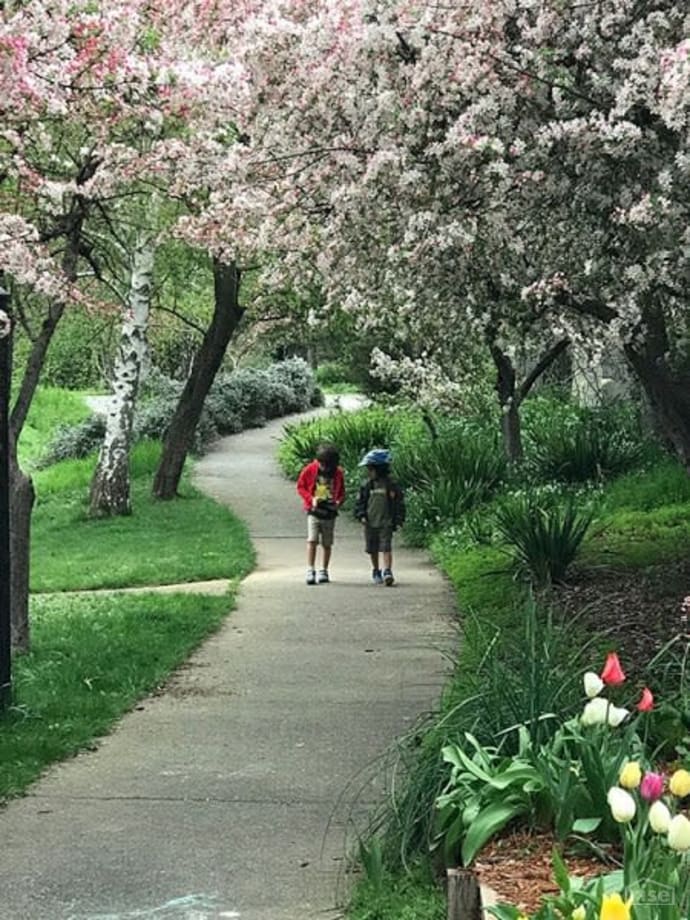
[579, 913]
[613, 907]
[630, 776]
[680, 783]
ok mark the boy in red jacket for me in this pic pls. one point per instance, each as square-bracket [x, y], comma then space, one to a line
[321, 486]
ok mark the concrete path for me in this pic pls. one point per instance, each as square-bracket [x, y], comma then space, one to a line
[228, 795]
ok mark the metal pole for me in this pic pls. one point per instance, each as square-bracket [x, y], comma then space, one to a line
[5, 581]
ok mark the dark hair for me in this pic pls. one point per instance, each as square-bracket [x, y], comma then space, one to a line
[328, 456]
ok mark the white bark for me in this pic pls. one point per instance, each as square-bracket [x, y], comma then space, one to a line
[110, 487]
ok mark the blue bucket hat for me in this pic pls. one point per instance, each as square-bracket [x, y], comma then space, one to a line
[377, 457]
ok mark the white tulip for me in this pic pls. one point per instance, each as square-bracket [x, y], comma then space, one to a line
[659, 817]
[616, 715]
[593, 684]
[595, 711]
[622, 805]
[679, 833]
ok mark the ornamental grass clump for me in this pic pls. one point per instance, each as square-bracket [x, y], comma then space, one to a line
[543, 534]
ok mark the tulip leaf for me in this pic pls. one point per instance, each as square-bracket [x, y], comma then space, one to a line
[490, 819]
[586, 825]
[560, 872]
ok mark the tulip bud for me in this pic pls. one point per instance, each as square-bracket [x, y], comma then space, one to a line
[579, 913]
[595, 711]
[659, 818]
[652, 787]
[593, 684]
[616, 715]
[646, 703]
[613, 672]
[622, 805]
[631, 775]
[680, 783]
[679, 833]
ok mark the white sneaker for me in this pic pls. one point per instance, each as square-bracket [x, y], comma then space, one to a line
[311, 577]
[323, 577]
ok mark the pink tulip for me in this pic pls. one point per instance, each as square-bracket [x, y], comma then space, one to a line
[613, 672]
[646, 703]
[652, 787]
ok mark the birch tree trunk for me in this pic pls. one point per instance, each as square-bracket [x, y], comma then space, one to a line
[110, 486]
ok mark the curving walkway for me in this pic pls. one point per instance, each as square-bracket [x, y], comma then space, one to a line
[227, 795]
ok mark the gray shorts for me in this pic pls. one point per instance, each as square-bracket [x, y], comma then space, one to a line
[320, 530]
[378, 540]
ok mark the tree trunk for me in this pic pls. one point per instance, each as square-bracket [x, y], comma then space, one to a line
[21, 506]
[464, 895]
[178, 439]
[510, 404]
[511, 396]
[110, 486]
[668, 391]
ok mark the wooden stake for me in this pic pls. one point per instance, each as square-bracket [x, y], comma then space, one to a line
[464, 895]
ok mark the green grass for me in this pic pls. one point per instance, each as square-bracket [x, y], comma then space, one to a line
[91, 659]
[398, 897]
[189, 539]
[50, 408]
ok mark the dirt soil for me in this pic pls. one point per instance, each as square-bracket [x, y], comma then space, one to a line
[518, 867]
[638, 609]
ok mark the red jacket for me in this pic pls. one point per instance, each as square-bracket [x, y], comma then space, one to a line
[306, 484]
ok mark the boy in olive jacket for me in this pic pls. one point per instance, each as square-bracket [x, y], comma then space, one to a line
[380, 507]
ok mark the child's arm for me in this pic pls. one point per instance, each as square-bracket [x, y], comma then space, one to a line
[361, 504]
[339, 487]
[305, 487]
[398, 507]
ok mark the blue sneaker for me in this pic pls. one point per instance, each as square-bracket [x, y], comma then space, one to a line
[376, 576]
[388, 577]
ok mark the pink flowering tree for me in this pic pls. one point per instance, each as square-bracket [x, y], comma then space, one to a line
[509, 173]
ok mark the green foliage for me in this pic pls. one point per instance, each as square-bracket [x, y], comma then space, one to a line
[50, 408]
[569, 443]
[544, 537]
[413, 896]
[665, 482]
[72, 441]
[243, 399]
[92, 657]
[78, 353]
[190, 539]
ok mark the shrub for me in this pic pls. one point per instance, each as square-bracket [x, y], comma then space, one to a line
[572, 444]
[544, 534]
[243, 399]
[74, 441]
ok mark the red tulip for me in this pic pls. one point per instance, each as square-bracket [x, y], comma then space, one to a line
[613, 672]
[646, 703]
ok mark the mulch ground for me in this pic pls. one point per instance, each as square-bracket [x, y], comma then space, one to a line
[639, 610]
[519, 868]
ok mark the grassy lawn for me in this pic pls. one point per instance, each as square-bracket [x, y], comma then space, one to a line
[51, 407]
[190, 539]
[91, 659]
[94, 656]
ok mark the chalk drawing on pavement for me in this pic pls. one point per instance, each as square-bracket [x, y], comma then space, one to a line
[189, 907]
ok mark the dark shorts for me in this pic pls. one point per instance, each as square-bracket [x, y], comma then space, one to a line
[378, 540]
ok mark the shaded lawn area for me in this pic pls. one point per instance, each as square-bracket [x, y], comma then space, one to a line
[188, 539]
[92, 658]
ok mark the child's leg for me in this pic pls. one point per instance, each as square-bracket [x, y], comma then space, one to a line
[311, 553]
[326, 557]
[388, 559]
[374, 560]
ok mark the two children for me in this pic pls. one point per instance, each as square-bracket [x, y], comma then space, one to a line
[379, 507]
